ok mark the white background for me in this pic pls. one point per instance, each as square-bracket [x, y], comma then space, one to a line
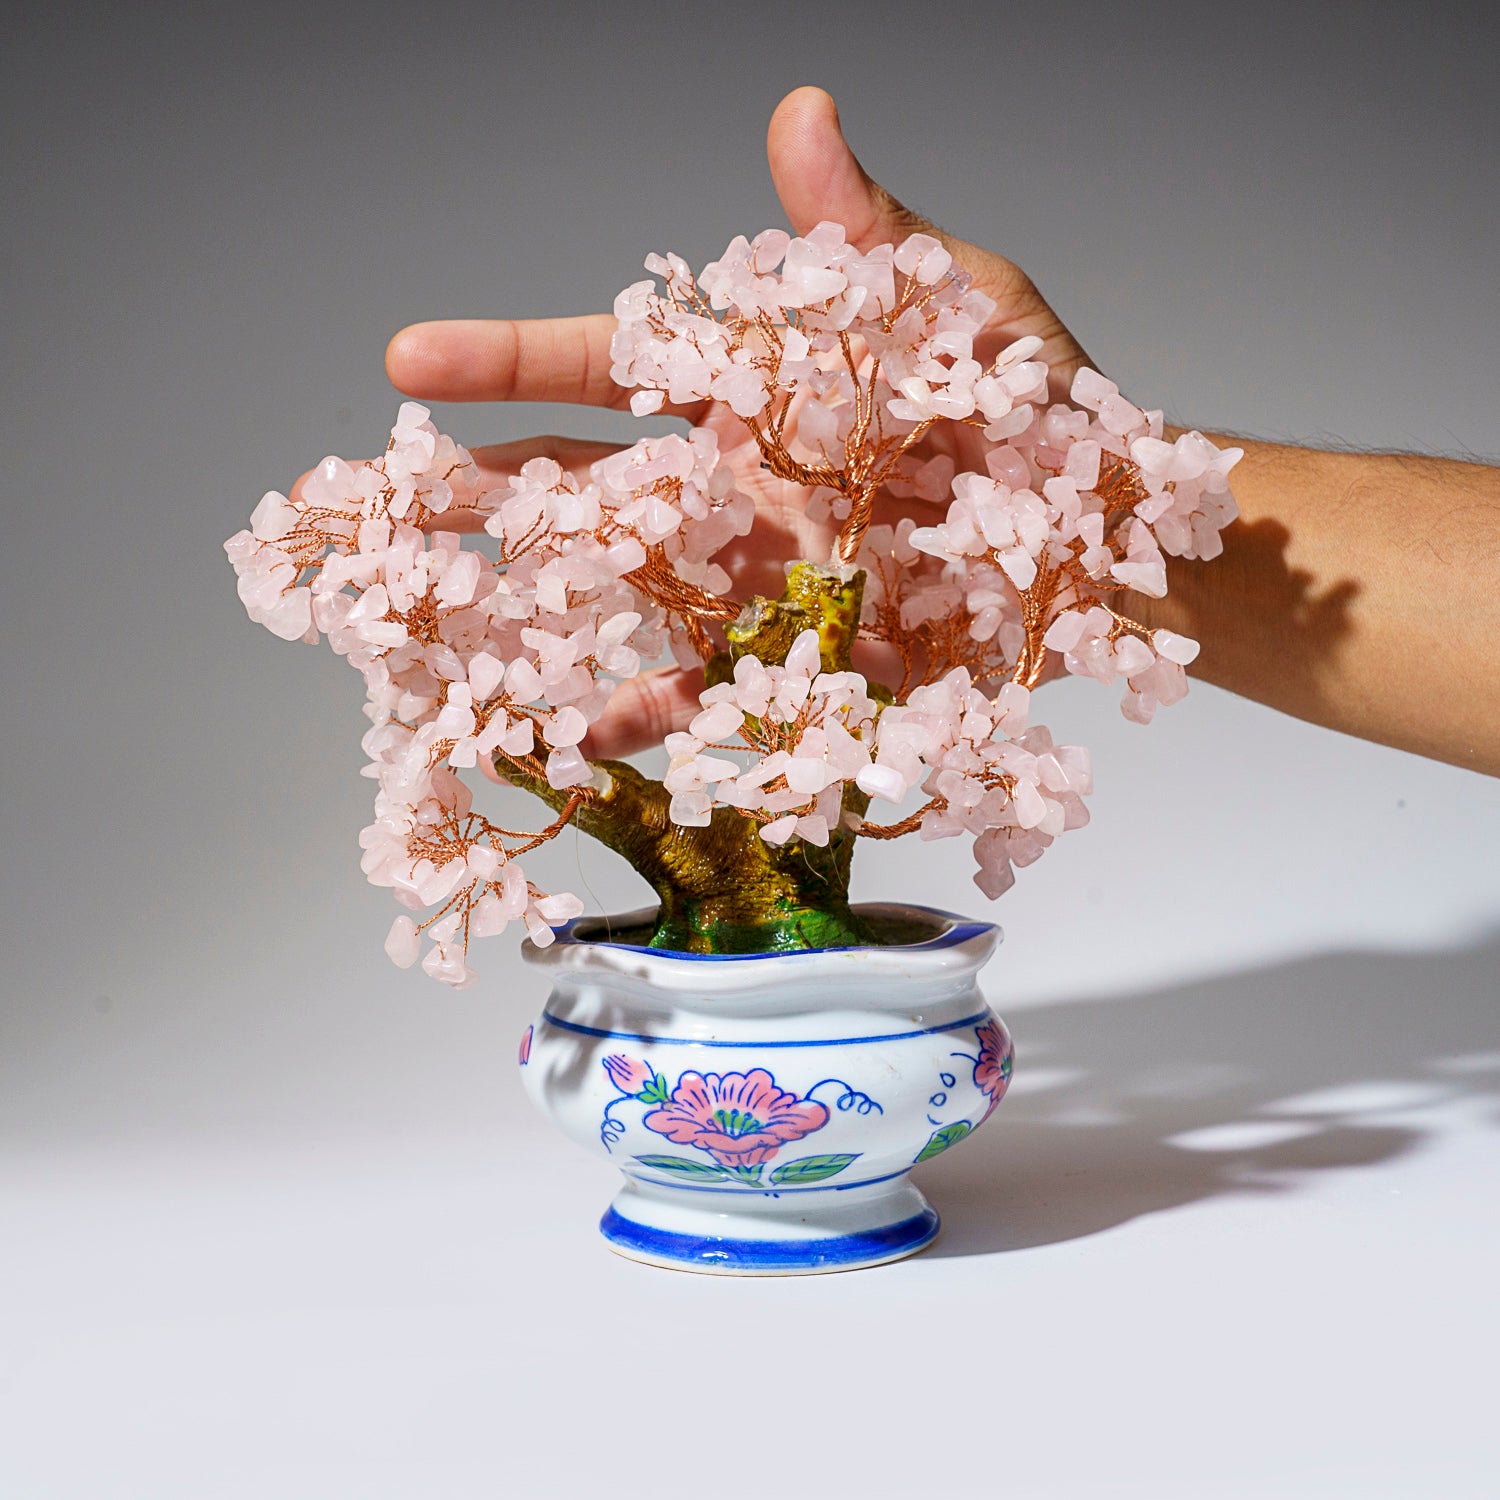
[275, 1220]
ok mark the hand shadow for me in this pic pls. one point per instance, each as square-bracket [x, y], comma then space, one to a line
[1250, 1083]
[1255, 579]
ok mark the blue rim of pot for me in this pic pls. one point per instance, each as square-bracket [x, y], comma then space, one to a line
[588, 931]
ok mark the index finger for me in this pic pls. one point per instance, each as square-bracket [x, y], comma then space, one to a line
[498, 359]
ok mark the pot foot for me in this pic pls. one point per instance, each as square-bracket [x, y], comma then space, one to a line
[770, 1235]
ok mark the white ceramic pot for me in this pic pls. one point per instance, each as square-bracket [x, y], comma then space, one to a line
[765, 1109]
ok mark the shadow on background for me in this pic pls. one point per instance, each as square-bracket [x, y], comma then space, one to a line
[1250, 1083]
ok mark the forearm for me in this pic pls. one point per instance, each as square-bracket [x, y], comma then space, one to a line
[1358, 591]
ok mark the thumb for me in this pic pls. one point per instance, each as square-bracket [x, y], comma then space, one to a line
[817, 177]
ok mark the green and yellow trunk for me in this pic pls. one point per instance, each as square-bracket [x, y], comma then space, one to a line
[721, 887]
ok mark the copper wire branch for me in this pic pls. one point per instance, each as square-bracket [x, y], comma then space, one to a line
[452, 839]
[868, 462]
[692, 605]
[906, 825]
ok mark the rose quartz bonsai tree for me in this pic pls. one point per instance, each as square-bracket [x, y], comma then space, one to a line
[897, 668]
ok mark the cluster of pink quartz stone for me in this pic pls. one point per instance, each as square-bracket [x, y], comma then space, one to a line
[464, 657]
[829, 356]
[813, 733]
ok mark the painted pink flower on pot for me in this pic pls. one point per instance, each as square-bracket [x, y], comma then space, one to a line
[993, 1065]
[740, 1119]
[628, 1074]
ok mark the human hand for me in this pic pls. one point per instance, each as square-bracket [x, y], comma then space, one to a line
[567, 360]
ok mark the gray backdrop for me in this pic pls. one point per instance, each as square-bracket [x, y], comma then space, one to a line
[1280, 220]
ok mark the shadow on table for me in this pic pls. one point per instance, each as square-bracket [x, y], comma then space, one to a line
[1249, 1083]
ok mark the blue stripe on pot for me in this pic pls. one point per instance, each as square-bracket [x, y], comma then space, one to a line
[771, 1255]
[692, 1041]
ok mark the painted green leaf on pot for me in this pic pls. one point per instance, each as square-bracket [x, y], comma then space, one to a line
[658, 1091]
[949, 1135]
[812, 1168]
[683, 1166]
